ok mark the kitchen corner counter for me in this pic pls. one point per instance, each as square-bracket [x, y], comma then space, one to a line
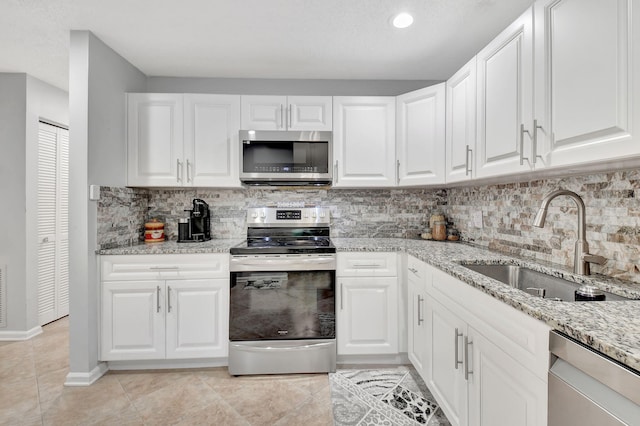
[612, 328]
[173, 247]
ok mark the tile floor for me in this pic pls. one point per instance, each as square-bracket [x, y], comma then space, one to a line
[32, 374]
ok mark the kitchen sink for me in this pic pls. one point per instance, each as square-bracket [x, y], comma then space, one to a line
[534, 282]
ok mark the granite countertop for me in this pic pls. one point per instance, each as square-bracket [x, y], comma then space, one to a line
[173, 247]
[611, 327]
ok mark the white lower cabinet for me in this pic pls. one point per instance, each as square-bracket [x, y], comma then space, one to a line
[485, 362]
[367, 304]
[160, 315]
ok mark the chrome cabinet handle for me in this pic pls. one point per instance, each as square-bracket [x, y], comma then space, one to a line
[534, 146]
[158, 299]
[522, 132]
[290, 123]
[336, 171]
[414, 270]
[188, 171]
[341, 298]
[467, 370]
[456, 348]
[45, 240]
[281, 114]
[168, 299]
[178, 167]
[467, 163]
[420, 319]
[398, 172]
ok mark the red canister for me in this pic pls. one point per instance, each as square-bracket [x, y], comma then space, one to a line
[153, 231]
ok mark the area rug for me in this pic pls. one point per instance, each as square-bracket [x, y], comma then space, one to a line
[387, 396]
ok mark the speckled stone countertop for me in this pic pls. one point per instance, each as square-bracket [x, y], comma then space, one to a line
[612, 327]
[173, 247]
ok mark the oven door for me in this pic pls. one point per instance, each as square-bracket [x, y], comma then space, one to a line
[282, 297]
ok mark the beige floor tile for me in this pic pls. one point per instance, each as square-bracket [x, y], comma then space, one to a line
[170, 404]
[51, 387]
[139, 384]
[19, 401]
[51, 356]
[217, 412]
[261, 400]
[316, 411]
[84, 405]
[16, 362]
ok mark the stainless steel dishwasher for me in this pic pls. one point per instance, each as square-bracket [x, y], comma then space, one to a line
[588, 388]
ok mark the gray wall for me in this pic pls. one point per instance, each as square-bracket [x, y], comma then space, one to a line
[265, 86]
[98, 80]
[24, 100]
[13, 106]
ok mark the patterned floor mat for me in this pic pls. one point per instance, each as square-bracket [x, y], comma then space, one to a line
[388, 396]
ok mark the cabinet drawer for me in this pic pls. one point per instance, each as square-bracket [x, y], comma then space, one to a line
[367, 264]
[164, 266]
[416, 269]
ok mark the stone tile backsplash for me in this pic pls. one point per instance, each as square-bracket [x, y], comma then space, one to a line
[612, 202]
[400, 213]
[612, 207]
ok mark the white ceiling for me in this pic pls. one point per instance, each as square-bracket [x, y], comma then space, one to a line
[299, 39]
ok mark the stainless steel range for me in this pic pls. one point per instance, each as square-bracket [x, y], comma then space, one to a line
[282, 313]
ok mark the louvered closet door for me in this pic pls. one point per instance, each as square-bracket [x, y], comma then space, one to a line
[53, 223]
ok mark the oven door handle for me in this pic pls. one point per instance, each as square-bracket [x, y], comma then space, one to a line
[292, 347]
[283, 262]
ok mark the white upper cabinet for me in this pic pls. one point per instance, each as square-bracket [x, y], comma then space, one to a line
[211, 125]
[286, 113]
[461, 123]
[183, 140]
[505, 101]
[155, 141]
[587, 80]
[420, 136]
[364, 141]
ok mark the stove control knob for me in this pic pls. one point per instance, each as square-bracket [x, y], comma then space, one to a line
[254, 215]
[263, 214]
[313, 214]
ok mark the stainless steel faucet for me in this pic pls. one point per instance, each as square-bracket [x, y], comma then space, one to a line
[582, 258]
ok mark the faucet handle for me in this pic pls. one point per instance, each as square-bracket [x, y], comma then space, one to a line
[592, 258]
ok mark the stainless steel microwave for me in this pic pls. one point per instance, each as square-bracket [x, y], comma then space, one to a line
[285, 157]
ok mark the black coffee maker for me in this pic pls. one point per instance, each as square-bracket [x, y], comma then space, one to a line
[197, 227]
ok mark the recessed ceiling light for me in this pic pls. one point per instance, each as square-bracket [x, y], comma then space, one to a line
[402, 20]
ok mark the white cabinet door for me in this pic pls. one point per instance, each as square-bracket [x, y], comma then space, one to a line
[133, 320]
[461, 123]
[154, 139]
[367, 317]
[286, 113]
[310, 113]
[263, 112]
[587, 88]
[364, 141]
[501, 391]
[197, 318]
[417, 326]
[420, 136]
[445, 361]
[505, 101]
[211, 126]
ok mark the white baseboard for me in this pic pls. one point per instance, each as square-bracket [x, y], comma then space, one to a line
[10, 335]
[86, 379]
[162, 364]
